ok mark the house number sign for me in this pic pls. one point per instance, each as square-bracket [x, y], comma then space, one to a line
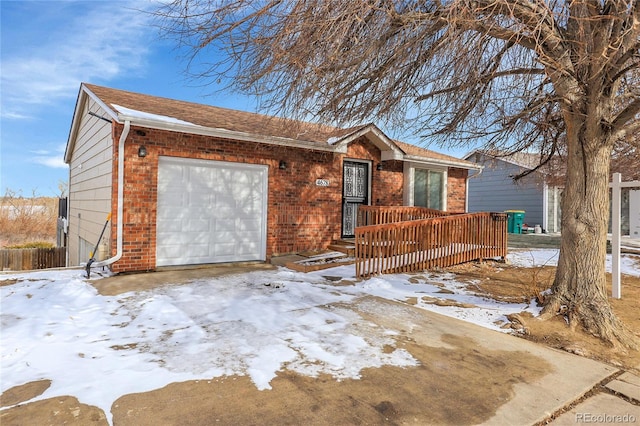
[322, 182]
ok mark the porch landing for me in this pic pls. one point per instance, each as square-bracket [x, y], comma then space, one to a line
[340, 252]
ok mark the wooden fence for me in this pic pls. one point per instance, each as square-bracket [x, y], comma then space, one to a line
[416, 245]
[28, 259]
[378, 215]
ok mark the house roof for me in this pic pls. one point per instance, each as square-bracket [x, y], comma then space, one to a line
[170, 114]
[413, 151]
[551, 173]
[526, 160]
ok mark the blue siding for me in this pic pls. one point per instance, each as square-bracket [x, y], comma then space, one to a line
[494, 190]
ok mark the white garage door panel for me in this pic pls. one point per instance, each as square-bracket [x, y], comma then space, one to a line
[190, 254]
[197, 225]
[248, 224]
[184, 239]
[210, 212]
[224, 224]
[171, 225]
[246, 249]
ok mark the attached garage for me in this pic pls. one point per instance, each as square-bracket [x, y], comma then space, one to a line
[210, 212]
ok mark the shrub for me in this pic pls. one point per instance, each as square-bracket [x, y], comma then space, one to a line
[24, 220]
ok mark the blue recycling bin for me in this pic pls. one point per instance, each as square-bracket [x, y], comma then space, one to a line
[515, 220]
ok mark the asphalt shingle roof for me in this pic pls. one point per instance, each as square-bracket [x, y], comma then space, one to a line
[241, 121]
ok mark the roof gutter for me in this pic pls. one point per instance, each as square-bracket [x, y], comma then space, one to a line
[394, 153]
[119, 225]
[445, 163]
[223, 133]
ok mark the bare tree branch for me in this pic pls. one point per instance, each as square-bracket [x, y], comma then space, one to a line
[560, 78]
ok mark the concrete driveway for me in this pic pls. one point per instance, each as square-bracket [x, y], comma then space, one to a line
[466, 375]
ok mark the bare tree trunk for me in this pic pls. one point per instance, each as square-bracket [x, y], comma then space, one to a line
[579, 290]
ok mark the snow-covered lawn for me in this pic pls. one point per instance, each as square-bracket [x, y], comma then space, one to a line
[56, 326]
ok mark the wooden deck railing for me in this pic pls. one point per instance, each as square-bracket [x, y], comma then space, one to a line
[416, 245]
[378, 215]
[36, 258]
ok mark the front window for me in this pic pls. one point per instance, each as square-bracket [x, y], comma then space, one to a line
[428, 189]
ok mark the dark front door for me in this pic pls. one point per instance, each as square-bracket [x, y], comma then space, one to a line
[355, 191]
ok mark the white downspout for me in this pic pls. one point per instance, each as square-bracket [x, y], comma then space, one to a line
[545, 207]
[119, 227]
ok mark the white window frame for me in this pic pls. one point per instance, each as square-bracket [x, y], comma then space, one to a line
[409, 181]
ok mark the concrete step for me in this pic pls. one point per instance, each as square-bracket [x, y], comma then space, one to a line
[343, 246]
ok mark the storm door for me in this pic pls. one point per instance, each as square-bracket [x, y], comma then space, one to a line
[355, 191]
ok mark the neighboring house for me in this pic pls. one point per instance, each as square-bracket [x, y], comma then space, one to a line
[201, 184]
[629, 212]
[495, 190]
[634, 213]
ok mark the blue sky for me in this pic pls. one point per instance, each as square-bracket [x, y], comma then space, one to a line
[48, 48]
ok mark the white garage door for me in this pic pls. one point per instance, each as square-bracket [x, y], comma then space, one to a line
[210, 212]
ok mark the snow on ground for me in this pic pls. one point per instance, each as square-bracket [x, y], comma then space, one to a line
[56, 326]
[629, 264]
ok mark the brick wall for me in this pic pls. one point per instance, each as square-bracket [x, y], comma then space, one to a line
[301, 215]
[139, 211]
[388, 184]
[456, 189]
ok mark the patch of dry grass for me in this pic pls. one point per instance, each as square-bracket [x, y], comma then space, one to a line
[512, 283]
[27, 220]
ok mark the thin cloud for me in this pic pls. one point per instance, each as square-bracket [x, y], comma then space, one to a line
[100, 42]
[12, 115]
[55, 162]
[50, 158]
